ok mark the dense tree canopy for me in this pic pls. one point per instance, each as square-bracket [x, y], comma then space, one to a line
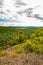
[30, 38]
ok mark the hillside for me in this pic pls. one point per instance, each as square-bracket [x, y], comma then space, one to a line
[21, 46]
[10, 36]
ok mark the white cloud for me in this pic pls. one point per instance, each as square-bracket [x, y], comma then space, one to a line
[23, 20]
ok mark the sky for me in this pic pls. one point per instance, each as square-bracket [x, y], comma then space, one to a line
[21, 12]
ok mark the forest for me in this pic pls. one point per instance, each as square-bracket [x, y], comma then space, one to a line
[14, 41]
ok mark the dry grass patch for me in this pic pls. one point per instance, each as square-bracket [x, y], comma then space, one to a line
[9, 53]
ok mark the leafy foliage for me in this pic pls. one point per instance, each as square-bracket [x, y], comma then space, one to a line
[23, 39]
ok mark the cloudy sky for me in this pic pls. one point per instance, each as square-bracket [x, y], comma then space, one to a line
[21, 12]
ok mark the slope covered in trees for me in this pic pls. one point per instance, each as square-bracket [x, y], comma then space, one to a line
[13, 36]
[25, 39]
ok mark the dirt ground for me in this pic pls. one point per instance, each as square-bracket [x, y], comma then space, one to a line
[22, 59]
